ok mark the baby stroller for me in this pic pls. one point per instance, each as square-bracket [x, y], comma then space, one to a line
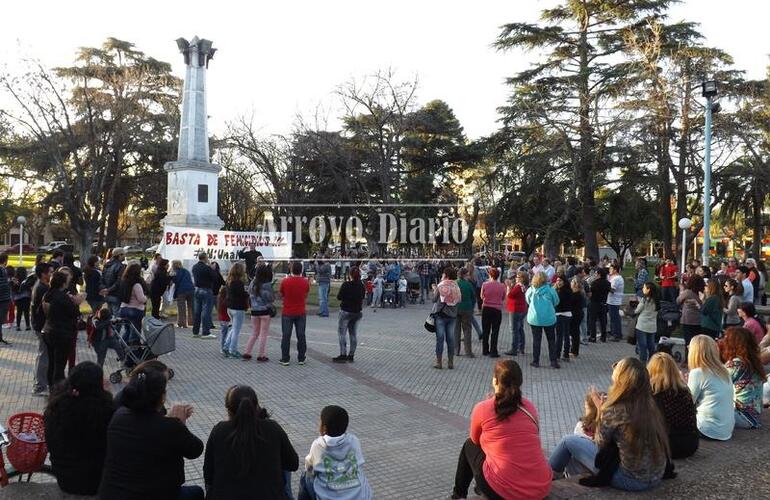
[412, 287]
[668, 318]
[389, 294]
[156, 339]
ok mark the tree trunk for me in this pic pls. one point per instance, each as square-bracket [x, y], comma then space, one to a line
[111, 239]
[584, 174]
[756, 222]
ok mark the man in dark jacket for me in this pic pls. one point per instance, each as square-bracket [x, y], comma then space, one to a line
[5, 295]
[250, 256]
[43, 272]
[113, 270]
[203, 300]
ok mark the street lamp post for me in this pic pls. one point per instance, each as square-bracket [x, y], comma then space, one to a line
[21, 220]
[709, 92]
[684, 225]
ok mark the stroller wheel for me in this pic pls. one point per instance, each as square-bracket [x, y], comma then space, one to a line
[116, 377]
[170, 373]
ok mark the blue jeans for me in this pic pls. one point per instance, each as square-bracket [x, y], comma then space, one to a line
[584, 325]
[562, 334]
[623, 481]
[645, 343]
[236, 318]
[114, 304]
[287, 485]
[445, 332]
[668, 293]
[298, 323]
[517, 331]
[476, 326]
[203, 301]
[101, 346]
[537, 339]
[574, 455]
[616, 329]
[323, 298]
[224, 326]
[424, 286]
[306, 490]
[348, 322]
[191, 493]
[134, 316]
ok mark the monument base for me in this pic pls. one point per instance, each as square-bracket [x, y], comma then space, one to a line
[193, 221]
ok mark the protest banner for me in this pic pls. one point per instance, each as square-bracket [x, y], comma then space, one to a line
[185, 244]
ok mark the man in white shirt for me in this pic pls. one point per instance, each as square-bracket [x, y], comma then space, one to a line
[536, 266]
[742, 275]
[614, 301]
[548, 269]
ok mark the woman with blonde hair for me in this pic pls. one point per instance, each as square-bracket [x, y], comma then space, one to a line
[675, 403]
[237, 303]
[711, 388]
[542, 300]
[631, 422]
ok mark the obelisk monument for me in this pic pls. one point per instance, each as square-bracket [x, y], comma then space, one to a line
[192, 178]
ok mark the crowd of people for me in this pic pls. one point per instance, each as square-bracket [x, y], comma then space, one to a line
[655, 410]
[131, 446]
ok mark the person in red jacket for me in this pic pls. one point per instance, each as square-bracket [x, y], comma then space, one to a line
[517, 306]
[294, 290]
[503, 453]
[668, 275]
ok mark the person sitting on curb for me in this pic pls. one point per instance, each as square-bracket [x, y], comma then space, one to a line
[740, 353]
[76, 419]
[249, 455]
[145, 449]
[503, 453]
[333, 468]
[711, 388]
[675, 403]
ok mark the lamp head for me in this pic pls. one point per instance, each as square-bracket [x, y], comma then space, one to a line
[709, 88]
[685, 223]
[21, 219]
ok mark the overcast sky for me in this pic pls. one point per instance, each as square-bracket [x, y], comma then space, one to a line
[279, 59]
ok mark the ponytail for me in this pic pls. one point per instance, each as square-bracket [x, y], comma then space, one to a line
[508, 396]
[507, 402]
[245, 438]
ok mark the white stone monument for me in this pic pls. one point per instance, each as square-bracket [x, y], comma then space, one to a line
[192, 178]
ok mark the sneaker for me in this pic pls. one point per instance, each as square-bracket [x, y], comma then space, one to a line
[350, 358]
[208, 336]
[224, 353]
[301, 362]
[534, 365]
[196, 336]
[235, 355]
[246, 357]
[42, 393]
[615, 339]
[284, 362]
[264, 359]
[511, 353]
[494, 355]
[555, 365]
[342, 358]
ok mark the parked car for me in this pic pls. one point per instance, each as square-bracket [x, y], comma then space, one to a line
[129, 249]
[57, 245]
[27, 248]
[153, 249]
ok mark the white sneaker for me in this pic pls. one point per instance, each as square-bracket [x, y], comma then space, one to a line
[209, 336]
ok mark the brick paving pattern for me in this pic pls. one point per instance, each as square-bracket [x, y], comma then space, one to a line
[411, 419]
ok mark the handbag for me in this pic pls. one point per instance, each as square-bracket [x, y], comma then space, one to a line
[430, 321]
[168, 295]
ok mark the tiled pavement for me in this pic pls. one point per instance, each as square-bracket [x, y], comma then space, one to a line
[411, 418]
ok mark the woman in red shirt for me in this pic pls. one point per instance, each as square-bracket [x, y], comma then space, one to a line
[503, 453]
[517, 306]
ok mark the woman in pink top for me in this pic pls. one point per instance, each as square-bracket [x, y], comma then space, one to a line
[503, 453]
[131, 292]
[492, 298]
[748, 313]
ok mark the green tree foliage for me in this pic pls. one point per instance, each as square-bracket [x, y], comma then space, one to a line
[97, 132]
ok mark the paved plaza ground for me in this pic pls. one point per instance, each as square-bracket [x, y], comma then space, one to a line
[411, 418]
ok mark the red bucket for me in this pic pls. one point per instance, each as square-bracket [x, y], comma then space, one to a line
[27, 449]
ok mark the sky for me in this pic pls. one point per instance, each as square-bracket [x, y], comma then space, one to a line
[278, 60]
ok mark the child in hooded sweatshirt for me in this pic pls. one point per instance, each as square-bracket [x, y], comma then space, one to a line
[333, 466]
